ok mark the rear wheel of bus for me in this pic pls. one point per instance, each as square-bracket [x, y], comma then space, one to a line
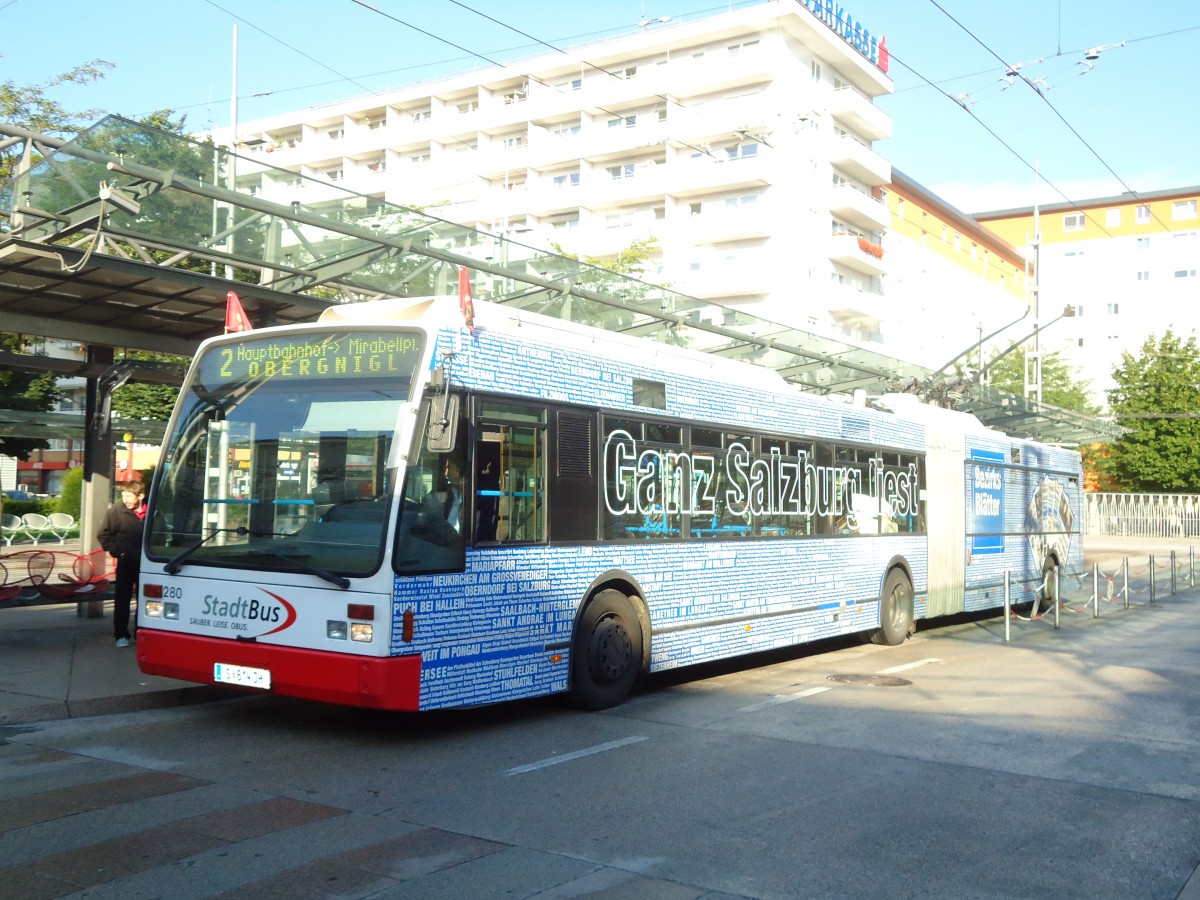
[606, 652]
[895, 610]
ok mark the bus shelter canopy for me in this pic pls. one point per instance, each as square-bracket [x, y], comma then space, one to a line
[128, 236]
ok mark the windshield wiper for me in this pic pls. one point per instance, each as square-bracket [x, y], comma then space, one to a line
[176, 562]
[297, 565]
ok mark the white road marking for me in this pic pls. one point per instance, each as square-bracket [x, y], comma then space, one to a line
[786, 698]
[578, 754]
[912, 665]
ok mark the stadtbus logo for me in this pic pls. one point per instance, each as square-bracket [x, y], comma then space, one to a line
[248, 614]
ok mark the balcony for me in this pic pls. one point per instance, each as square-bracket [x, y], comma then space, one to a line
[856, 110]
[859, 161]
[704, 175]
[757, 220]
[857, 253]
[858, 208]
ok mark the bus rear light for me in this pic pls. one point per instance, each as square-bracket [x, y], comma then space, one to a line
[406, 631]
[157, 609]
[360, 631]
[335, 631]
[363, 611]
[152, 590]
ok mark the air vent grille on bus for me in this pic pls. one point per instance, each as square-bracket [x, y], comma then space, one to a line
[575, 450]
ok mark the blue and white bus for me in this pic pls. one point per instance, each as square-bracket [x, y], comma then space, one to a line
[388, 509]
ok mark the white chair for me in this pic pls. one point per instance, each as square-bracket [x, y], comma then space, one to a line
[12, 527]
[36, 525]
[60, 525]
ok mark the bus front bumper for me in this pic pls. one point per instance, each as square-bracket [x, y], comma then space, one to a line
[392, 683]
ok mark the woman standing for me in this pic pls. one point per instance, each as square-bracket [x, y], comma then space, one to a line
[121, 536]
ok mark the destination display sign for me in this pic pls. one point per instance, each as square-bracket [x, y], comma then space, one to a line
[312, 357]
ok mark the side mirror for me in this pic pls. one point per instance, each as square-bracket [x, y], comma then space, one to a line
[443, 429]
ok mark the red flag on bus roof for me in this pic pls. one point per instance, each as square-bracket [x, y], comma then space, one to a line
[235, 317]
[465, 303]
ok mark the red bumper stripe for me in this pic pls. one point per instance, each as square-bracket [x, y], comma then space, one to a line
[369, 681]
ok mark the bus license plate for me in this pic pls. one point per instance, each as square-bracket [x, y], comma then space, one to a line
[244, 676]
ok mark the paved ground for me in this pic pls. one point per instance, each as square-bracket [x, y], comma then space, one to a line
[57, 661]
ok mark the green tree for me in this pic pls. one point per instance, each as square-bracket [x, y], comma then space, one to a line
[70, 501]
[1060, 385]
[30, 106]
[138, 400]
[27, 391]
[1157, 402]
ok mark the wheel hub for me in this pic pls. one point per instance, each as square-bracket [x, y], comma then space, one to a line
[612, 650]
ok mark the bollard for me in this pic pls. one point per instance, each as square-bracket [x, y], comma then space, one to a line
[1096, 591]
[1007, 610]
[1056, 603]
[1125, 587]
[1152, 580]
[1172, 573]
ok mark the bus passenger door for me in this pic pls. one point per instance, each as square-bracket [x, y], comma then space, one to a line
[947, 517]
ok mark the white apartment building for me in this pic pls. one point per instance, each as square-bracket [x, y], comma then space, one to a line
[742, 142]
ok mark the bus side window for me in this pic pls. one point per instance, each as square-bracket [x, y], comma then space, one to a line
[509, 483]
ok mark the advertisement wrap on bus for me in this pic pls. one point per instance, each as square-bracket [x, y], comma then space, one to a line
[388, 509]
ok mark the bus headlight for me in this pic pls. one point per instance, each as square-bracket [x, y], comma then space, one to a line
[360, 631]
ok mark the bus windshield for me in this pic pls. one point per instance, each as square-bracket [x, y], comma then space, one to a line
[280, 454]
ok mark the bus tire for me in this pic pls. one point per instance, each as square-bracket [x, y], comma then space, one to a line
[606, 652]
[895, 610]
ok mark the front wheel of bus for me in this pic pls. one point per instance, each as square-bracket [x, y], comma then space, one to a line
[606, 652]
[895, 610]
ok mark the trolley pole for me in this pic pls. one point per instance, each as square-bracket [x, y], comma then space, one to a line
[1096, 590]
[1172, 573]
[1152, 580]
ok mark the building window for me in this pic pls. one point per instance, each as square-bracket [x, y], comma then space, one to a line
[627, 121]
[1112, 217]
[421, 115]
[1143, 243]
[694, 209]
[566, 129]
[1114, 309]
[565, 222]
[740, 200]
[628, 72]
[735, 49]
[567, 179]
[1143, 276]
[742, 150]
[1073, 222]
[419, 158]
[625, 170]
[573, 84]
[1143, 215]
[1185, 273]
[1183, 209]
[816, 70]
[467, 106]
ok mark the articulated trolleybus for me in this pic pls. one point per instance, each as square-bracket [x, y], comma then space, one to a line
[388, 509]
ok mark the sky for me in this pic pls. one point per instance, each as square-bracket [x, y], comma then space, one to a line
[1124, 123]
